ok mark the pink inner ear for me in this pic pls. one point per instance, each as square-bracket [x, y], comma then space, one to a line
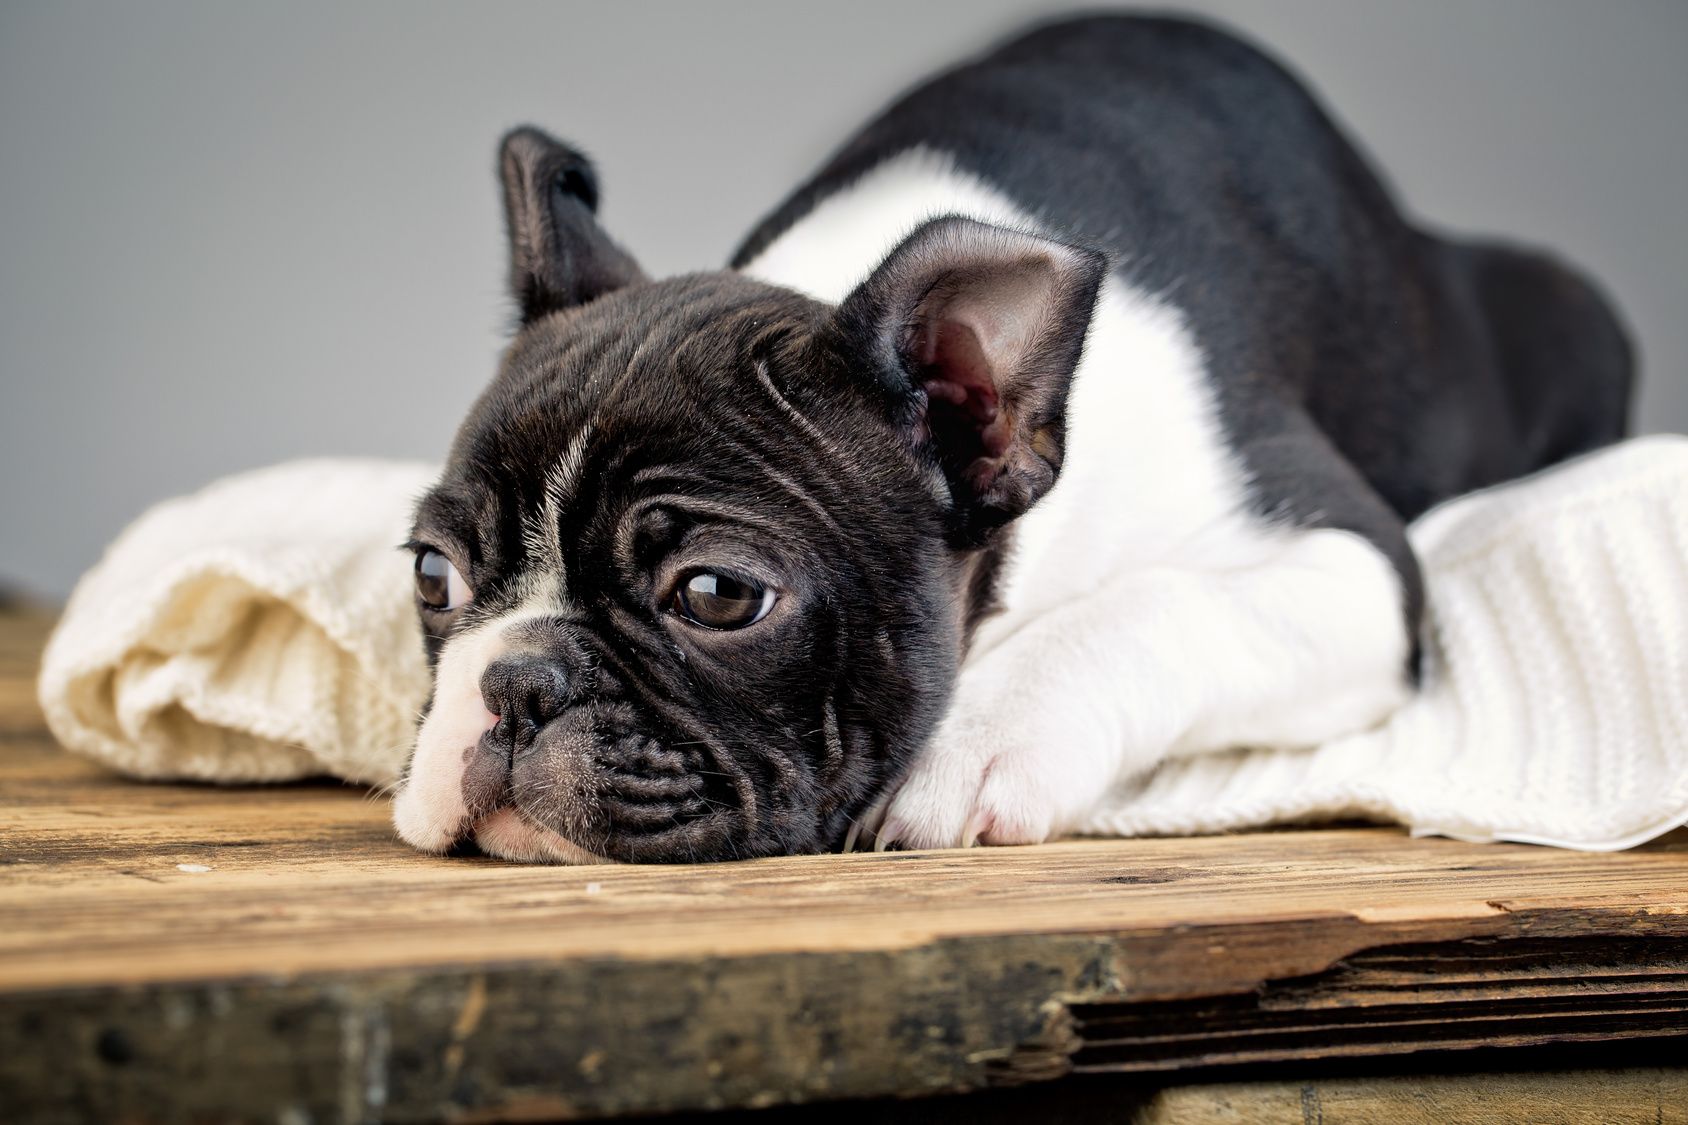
[956, 370]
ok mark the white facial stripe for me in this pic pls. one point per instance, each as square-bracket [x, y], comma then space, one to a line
[564, 477]
[540, 532]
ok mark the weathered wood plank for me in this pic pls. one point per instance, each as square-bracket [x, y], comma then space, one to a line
[1466, 993]
[1616, 1097]
[1633, 1095]
[317, 967]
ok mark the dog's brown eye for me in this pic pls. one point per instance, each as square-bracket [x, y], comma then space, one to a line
[437, 582]
[717, 601]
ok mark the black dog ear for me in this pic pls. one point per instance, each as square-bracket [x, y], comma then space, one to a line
[559, 256]
[978, 329]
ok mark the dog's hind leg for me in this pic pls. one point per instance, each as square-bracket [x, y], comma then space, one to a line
[1564, 360]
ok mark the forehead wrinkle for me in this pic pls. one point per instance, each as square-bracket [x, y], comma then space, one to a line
[660, 338]
[562, 372]
[700, 327]
[723, 511]
[790, 485]
[809, 429]
[610, 397]
[629, 516]
[709, 336]
[662, 472]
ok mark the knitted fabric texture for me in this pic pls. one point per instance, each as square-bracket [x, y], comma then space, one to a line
[263, 629]
[259, 630]
[1553, 707]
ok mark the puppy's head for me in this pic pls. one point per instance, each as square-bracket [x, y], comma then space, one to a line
[702, 563]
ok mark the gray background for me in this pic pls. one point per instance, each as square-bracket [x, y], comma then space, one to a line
[231, 235]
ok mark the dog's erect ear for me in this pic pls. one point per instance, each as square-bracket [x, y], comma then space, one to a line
[559, 256]
[978, 329]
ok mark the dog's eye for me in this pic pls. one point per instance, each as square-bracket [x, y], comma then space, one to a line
[716, 601]
[437, 582]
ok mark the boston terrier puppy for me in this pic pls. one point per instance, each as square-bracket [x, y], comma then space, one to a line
[1069, 418]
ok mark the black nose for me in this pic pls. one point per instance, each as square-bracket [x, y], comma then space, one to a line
[525, 692]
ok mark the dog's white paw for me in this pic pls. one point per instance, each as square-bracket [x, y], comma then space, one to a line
[962, 793]
[1002, 772]
[1037, 731]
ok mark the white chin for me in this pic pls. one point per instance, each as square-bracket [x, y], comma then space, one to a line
[506, 835]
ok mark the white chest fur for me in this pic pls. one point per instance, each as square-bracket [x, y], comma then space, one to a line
[1147, 611]
[1147, 479]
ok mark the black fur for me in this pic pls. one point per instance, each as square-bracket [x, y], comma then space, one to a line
[707, 746]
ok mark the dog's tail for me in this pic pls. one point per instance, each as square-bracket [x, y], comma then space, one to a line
[1565, 359]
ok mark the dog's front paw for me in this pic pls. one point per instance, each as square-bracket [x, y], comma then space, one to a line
[964, 792]
[992, 778]
[1028, 748]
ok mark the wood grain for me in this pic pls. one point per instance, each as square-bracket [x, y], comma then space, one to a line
[317, 965]
[1617, 1097]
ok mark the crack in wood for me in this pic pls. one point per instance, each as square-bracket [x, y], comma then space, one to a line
[1407, 998]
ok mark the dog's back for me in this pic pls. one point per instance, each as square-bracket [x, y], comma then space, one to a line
[1218, 184]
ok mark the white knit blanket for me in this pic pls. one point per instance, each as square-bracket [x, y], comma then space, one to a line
[262, 630]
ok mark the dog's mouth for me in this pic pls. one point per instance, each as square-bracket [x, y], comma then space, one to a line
[590, 781]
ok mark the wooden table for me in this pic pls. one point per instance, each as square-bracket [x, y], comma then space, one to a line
[173, 952]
